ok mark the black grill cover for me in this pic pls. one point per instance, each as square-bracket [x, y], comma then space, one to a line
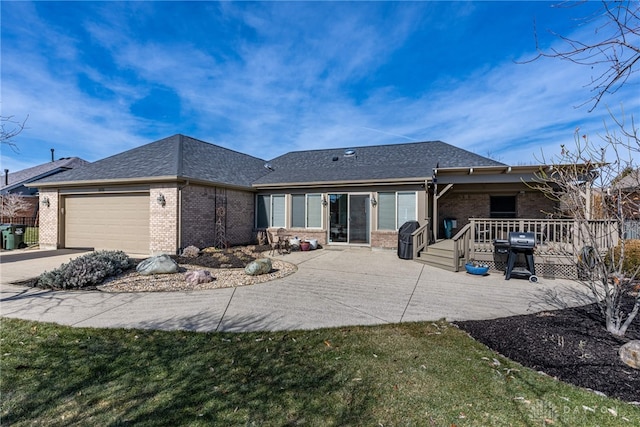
[405, 242]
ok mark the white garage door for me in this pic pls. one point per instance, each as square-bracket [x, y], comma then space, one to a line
[116, 222]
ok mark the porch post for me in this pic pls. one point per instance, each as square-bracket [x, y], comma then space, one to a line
[436, 196]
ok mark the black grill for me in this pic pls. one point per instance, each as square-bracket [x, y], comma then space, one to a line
[518, 243]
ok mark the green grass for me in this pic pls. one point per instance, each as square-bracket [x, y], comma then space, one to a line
[417, 374]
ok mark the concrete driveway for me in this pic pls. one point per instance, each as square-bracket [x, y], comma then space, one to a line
[332, 287]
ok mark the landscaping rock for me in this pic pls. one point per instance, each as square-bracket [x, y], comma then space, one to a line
[161, 264]
[191, 252]
[258, 267]
[196, 277]
[630, 354]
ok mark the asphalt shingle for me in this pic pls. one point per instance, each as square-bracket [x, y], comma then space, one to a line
[395, 161]
[176, 156]
[16, 180]
[188, 158]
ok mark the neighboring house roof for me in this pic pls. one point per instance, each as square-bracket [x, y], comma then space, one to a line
[393, 162]
[14, 181]
[631, 181]
[176, 157]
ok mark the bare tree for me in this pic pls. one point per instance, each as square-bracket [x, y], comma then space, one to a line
[9, 129]
[613, 54]
[12, 204]
[611, 57]
[599, 188]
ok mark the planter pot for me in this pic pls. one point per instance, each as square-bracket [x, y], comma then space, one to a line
[305, 246]
[479, 270]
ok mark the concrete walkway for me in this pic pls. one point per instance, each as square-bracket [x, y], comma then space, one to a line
[332, 287]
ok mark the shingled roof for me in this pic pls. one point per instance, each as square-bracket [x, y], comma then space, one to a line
[369, 163]
[175, 157]
[182, 157]
[15, 181]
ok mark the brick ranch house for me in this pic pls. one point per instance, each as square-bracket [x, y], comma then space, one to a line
[180, 191]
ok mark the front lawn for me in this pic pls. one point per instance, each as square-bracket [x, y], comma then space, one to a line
[410, 374]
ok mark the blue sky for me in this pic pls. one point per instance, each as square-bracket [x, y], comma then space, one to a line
[97, 78]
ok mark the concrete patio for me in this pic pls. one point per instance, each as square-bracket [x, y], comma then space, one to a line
[332, 287]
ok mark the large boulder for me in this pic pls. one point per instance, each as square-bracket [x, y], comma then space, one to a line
[259, 266]
[196, 277]
[630, 353]
[161, 264]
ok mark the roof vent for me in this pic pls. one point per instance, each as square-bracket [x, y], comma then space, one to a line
[349, 152]
[268, 166]
[335, 158]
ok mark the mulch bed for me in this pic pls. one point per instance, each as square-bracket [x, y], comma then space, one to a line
[570, 344]
[235, 257]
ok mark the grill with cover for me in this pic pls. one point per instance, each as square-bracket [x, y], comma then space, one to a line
[521, 243]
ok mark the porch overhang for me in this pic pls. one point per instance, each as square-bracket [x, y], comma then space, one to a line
[489, 174]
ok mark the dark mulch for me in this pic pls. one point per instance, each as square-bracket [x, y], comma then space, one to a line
[235, 257]
[570, 344]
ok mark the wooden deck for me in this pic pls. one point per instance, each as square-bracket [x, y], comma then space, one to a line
[557, 243]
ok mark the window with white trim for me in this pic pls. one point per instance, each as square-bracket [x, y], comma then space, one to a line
[396, 208]
[271, 211]
[306, 210]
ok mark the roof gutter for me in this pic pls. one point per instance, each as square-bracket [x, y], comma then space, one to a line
[360, 183]
[137, 181]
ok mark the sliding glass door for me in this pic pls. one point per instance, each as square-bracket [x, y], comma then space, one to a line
[349, 218]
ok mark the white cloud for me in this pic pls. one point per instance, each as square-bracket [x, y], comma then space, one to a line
[286, 86]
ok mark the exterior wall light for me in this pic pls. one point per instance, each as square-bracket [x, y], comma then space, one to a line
[45, 202]
[161, 200]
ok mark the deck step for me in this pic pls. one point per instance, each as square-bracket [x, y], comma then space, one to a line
[439, 260]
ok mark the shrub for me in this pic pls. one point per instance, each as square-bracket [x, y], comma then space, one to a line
[87, 270]
[631, 260]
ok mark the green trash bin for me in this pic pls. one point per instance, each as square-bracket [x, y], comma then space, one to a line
[18, 231]
[8, 238]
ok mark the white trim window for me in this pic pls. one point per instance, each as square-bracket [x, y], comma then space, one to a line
[396, 208]
[306, 210]
[271, 210]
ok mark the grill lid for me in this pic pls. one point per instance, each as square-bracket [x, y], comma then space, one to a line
[521, 240]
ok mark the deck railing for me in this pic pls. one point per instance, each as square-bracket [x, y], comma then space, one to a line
[420, 239]
[462, 246]
[552, 235]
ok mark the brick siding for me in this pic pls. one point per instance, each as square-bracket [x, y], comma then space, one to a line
[199, 217]
[462, 206]
[384, 239]
[163, 220]
[49, 220]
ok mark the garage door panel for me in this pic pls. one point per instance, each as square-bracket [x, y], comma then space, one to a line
[115, 222]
